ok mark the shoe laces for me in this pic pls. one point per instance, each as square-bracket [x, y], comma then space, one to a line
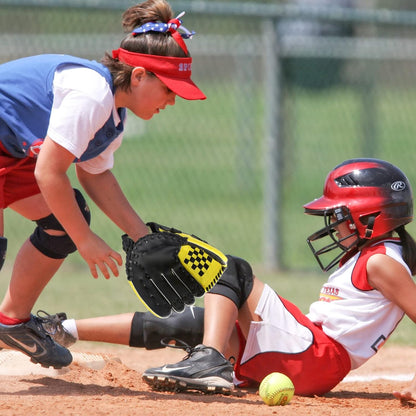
[52, 321]
[179, 344]
[189, 350]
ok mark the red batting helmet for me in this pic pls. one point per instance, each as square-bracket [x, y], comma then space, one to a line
[372, 196]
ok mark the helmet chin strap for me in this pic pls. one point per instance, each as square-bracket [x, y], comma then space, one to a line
[370, 226]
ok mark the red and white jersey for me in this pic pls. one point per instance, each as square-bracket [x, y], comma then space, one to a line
[350, 311]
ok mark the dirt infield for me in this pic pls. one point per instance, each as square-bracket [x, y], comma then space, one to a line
[111, 385]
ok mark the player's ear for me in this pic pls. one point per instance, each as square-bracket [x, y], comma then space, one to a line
[137, 75]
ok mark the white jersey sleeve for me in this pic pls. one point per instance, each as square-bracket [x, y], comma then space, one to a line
[83, 102]
[103, 161]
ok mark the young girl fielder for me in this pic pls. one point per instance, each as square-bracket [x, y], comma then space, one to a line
[57, 110]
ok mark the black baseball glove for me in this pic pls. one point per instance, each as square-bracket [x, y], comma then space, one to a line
[168, 269]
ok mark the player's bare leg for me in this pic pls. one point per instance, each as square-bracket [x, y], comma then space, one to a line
[247, 312]
[220, 333]
[26, 284]
[31, 273]
[27, 281]
[32, 270]
[114, 329]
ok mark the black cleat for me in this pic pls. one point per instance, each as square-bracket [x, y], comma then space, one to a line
[31, 339]
[204, 369]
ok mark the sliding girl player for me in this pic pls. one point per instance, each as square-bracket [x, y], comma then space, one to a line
[247, 330]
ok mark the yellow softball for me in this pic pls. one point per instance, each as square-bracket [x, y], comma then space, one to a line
[276, 389]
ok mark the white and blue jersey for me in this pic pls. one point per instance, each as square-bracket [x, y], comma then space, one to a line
[27, 99]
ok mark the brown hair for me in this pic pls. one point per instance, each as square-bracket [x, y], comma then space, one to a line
[152, 43]
[409, 248]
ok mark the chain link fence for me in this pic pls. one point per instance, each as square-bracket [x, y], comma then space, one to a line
[292, 91]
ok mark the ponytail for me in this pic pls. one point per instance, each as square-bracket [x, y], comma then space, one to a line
[409, 248]
[152, 43]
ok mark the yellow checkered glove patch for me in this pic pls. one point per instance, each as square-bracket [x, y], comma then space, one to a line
[168, 269]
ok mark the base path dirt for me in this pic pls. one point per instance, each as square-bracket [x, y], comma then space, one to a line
[106, 380]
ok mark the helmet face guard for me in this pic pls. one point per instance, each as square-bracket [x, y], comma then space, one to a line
[371, 196]
[320, 248]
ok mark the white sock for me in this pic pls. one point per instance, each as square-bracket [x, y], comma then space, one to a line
[71, 327]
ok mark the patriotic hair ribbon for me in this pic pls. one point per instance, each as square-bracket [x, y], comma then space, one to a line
[172, 26]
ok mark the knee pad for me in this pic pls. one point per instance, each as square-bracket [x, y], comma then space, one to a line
[57, 247]
[147, 330]
[237, 281]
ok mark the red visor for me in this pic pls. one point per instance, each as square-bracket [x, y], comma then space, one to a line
[174, 72]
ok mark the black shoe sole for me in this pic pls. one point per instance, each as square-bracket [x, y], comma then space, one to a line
[165, 383]
[56, 367]
[35, 360]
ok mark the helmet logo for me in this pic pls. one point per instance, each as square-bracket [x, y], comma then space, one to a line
[398, 186]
